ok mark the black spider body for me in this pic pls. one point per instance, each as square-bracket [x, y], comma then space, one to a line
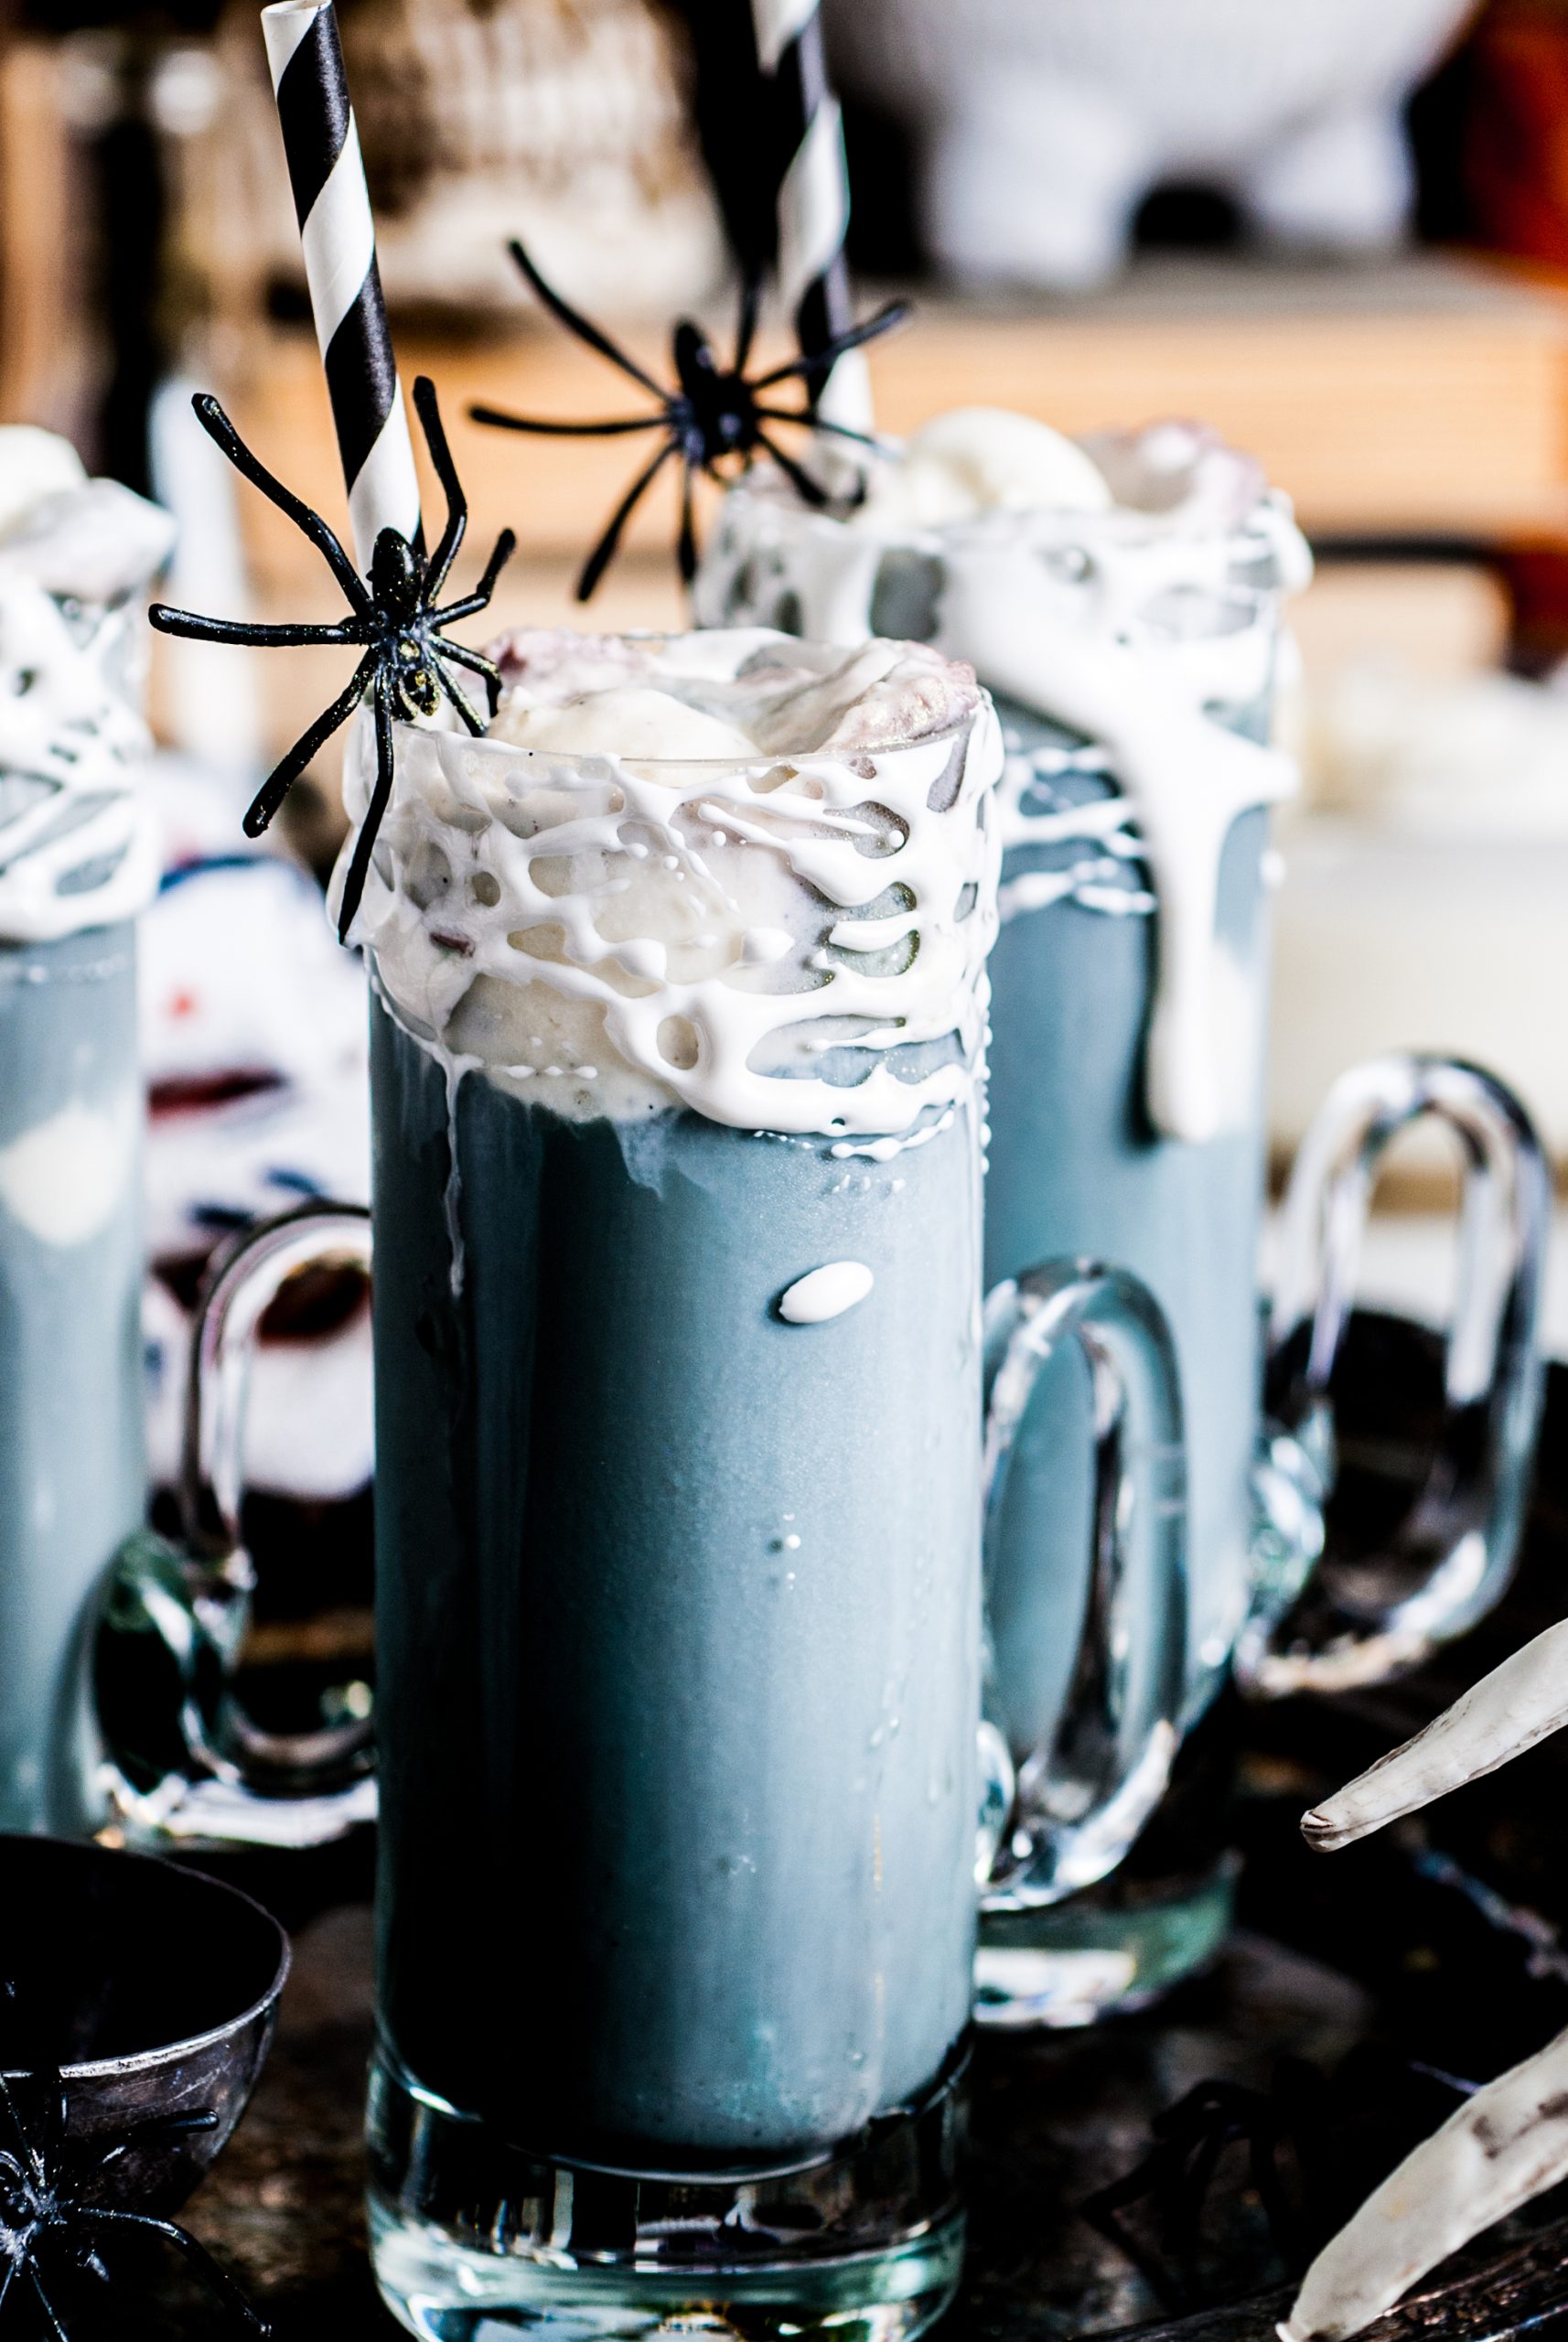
[715, 409]
[716, 419]
[401, 636]
[52, 2221]
[394, 619]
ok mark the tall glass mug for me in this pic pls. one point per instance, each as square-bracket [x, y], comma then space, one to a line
[1121, 599]
[76, 865]
[679, 980]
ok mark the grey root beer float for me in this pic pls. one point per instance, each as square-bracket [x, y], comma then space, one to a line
[680, 992]
[78, 862]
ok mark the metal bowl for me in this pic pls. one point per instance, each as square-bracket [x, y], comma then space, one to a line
[140, 1993]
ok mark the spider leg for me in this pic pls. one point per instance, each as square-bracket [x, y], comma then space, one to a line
[474, 659]
[438, 567]
[222, 432]
[686, 543]
[810, 422]
[505, 546]
[216, 2278]
[165, 2130]
[1102, 2211]
[746, 328]
[501, 552]
[553, 428]
[284, 774]
[478, 665]
[459, 699]
[809, 490]
[582, 327]
[50, 2318]
[197, 628]
[1191, 2191]
[27, 2156]
[1262, 2157]
[369, 828]
[822, 361]
[598, 561]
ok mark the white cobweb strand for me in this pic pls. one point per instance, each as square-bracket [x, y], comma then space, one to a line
[1523, 1701]
[1503, 2146]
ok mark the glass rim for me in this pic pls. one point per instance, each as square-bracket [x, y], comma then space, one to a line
[1136, 523]
[765, 759]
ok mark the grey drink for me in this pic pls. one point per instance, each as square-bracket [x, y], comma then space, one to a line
[1121, 600]
[75, 864]
[676, 1242]
[72, 1476]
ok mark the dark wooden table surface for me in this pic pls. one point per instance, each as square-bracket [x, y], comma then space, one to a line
[1390, 1951]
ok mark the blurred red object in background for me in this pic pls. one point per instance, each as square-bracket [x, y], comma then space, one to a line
[1516, 132]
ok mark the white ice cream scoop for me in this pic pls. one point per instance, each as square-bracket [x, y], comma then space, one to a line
[34, 465]
[978, 459]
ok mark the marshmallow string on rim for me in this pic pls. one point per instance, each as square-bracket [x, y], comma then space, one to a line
[326, 174]
[812, 200]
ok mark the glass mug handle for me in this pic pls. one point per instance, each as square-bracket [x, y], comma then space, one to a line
[1076, 1803]
[184, 1760]
[1453, 1553]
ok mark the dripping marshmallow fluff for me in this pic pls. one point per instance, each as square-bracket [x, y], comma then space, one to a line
[725, 871]
[1125, 587]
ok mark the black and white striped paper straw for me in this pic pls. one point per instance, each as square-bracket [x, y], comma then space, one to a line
[812, 196]
[327, 176]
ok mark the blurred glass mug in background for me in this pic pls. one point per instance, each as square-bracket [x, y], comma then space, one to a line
[1121, 597]
[77, 864]
[178, 1756]
[1095, 1807]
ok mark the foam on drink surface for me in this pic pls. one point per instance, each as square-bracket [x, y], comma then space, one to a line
[728, 871]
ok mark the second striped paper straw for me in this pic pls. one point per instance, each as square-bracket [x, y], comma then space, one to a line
[326, 174]
[813, 198]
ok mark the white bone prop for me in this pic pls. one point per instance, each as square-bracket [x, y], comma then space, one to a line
[1523, 1701]
[1508, 2143]
[1504, 2145]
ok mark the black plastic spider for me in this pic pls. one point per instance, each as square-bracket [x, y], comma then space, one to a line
[1176, 2175]
[393, 619]
[713, 413]
[1315, 2145]
[50, 2224]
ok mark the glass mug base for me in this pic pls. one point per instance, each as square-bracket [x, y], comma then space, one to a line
[470, 2236]
[1074, 1962]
